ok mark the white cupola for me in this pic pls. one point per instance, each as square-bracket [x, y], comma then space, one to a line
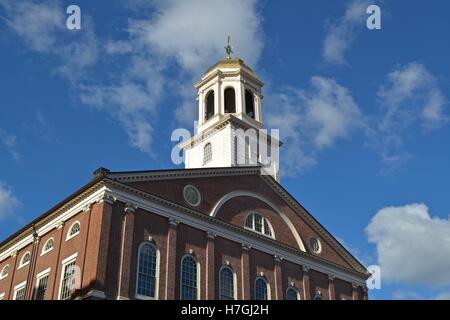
[229, 102]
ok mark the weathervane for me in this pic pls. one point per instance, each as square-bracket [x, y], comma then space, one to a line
[229, 49]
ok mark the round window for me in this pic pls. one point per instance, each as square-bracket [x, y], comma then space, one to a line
[314, 245]
[192, 195]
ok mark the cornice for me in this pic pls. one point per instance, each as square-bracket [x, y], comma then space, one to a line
[221, 124]
[220, 73]
[183, 174]
[52, 219]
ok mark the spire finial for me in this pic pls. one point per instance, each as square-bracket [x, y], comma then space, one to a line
[229, 49]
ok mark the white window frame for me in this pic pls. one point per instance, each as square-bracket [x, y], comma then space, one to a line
[45, 244]
[69, 236]
[23, 264]
[2, 296]
[39, 276]
[234, 281]
[157, 270]
[267, 287]
[18, 287]
[1, 272]
[198, 274]
[296, 291]
[253, 229]
[64, 263]
[198, 193]
[208, 153]
[318, 242]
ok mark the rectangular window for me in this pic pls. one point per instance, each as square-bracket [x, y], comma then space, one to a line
[19, 294]
[41, 288]
[67, 281]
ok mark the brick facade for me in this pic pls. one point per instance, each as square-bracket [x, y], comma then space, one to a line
[112, 230]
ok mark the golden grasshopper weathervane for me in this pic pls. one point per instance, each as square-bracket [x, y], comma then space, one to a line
[229, 49]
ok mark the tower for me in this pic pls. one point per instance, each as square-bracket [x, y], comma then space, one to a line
[230, 129]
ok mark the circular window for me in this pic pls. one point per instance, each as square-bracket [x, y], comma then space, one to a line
[314, 245]
[191, 195]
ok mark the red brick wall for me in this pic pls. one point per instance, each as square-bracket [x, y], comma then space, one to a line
[107, 263]
[84, 244]
[213, 189]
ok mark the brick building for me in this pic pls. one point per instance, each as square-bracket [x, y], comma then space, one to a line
[215, 230]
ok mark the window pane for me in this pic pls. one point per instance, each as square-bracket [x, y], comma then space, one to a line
[258, 223]
[189, 279]
[291, 294]
[26, 258]
[42, 288]
[249, 221]
[267, 231]
[226, 284]
[66, 285]
[5, 271]
[207, 153]
[48, 245]
[260, 289]
[147, 271]
[75, 228]
[20, 294]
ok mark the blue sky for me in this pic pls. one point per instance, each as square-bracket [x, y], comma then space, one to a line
[364, 114]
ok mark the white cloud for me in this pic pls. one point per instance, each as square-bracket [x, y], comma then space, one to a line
[342, 33]
[190, 33]
[443, 296]
[410, 97]
[10, 142]
[8, 203]
[412, 246]
[406, 295]
[37, 23]
[312, 120]
[132, 99]
[42, 27]
[193, 33]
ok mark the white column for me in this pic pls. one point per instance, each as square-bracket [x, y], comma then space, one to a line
[201, 112]
[239, 88]
[217, 95]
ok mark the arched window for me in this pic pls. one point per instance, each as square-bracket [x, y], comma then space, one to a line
[189, 278]
[207, 153]
[318, 296]
[249, 104]
[292, 294]
[4, 272]
[48, 246]
[74, 230]
[26, 258]
[226, 283]
[209, 105]
[258, 224]
[230, 101]
[147, 264]
[261, 292]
